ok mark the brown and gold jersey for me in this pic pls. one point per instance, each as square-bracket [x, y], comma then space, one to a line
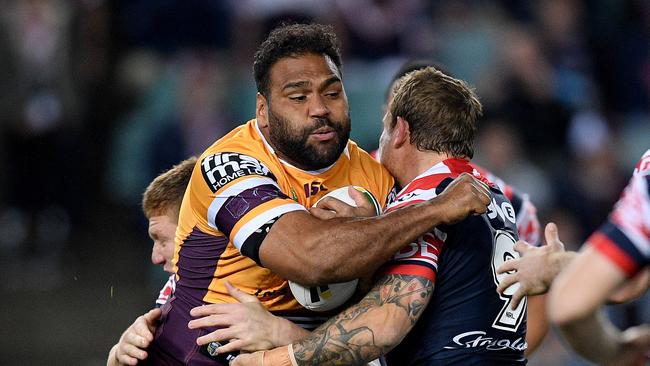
[238, 189]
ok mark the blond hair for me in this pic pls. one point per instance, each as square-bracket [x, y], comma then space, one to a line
[165, 193]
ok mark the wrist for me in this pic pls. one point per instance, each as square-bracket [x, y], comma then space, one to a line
[281, 356]
[286, 332]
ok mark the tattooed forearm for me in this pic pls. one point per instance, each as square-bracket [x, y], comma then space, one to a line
[370, 328]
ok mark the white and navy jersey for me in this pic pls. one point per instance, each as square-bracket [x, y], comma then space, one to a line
[167, 291]
[528, 225]
[625, 237]
[466, 322]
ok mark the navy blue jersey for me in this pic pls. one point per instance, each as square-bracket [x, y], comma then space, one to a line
[466, 322]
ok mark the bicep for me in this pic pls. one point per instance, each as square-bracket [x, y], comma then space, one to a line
[285, 250]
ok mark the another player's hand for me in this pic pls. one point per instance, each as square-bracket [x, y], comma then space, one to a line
[247, 325]
[249, 359]
[330, 207]
[464, 196]
[133, 342]
[636, 347]
[535, 269]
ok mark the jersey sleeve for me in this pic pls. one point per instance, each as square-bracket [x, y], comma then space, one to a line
[528, 226]
[625, 236]
[420, 257]
[167, 291]
[244, 199]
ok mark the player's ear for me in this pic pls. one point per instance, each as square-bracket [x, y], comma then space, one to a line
[261, 110]
[401, 133]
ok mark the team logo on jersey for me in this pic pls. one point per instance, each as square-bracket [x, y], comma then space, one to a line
[222, 168]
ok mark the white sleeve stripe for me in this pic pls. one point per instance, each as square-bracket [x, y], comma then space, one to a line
[414, 196]
[234, 190]
[247, 229]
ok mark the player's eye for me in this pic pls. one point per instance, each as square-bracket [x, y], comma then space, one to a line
[298, 98]
[333, 94]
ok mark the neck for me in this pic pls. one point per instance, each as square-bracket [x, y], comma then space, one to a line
[417, 163]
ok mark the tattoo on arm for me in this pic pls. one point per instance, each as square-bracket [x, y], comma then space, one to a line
[366, 330]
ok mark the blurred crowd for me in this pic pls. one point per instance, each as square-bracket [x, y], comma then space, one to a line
[97, 97]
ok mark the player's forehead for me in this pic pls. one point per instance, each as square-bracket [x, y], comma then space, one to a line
[308, 69]
[160, 223]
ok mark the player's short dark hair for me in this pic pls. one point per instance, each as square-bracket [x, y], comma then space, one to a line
[165, 193]
[291, 40]
[442, 112]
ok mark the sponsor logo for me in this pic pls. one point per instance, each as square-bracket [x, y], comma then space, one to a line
[312, 189]
[504, 211]
[222, 168]
[478, 339]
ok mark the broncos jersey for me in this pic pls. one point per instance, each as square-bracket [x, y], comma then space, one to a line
[625, 237]
[466, 322]
[238, 189]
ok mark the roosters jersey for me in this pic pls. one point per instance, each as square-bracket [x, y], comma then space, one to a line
[528, 225]
[466, 322]
[166, 292]
[625, 237]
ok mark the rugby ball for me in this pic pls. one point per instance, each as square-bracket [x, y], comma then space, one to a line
[328, 297]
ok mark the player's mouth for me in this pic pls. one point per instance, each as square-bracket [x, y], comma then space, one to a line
[324, 134]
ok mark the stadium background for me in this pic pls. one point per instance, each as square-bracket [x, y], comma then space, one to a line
[97, 97]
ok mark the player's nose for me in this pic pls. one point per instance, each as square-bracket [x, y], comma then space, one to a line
[156, 255]
[318, 107]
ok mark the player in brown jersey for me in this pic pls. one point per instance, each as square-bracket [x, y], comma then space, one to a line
[244, 217]
[160, 203]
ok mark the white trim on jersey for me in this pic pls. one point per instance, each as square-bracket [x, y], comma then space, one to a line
[415, 196]
[220, 199]
[254, 224]
[632, 214]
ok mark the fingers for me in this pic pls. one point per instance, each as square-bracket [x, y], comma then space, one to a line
[552, 235]
[240, 295]
[516, 298]
[141, 329]
[137, 340]
[507, 282]
[210, 321]
[127, 360]
[234, 346]
[218, 335]
[151, 320]
[522, 247]
[507, 266]
[131, 353]
[212, 309]
[321, 213]
[358, 196]
[333, 204]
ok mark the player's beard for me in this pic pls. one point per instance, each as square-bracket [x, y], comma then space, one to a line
[293, 142]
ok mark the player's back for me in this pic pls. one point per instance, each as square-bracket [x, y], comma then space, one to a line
[467, 322]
